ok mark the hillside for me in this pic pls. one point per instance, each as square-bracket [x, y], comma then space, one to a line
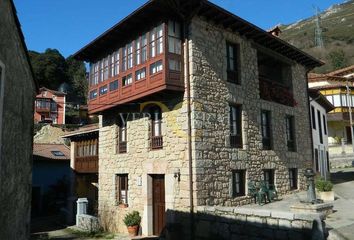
[337, 24]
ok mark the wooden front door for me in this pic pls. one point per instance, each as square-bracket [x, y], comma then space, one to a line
[158, 198]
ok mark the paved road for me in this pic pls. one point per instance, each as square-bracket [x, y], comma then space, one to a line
[342, 220]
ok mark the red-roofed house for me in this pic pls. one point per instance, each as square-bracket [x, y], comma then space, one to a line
[50, 106]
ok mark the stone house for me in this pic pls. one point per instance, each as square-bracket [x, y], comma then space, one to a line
[194, 104]
[17, 92]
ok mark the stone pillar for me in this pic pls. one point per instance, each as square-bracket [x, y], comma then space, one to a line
[82, 204]
[310, 178]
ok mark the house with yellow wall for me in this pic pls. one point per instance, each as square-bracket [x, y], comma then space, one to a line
[338, 88]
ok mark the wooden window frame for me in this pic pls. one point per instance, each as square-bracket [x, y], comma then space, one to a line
[241, 182]
[106, 68]
[290, 133]
[130, 55]
[235, 134]
[122, 144]
[293, 178]
[266, 127]
[144, 48]
[233, 75]
[156, 120]
[122, 184]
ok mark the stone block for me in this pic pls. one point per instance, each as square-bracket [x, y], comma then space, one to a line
[284, 224]
[282, 215]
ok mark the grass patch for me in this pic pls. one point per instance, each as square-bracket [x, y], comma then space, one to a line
[98, 235]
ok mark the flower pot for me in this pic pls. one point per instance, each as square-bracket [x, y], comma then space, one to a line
[133, 230]
[326, 196]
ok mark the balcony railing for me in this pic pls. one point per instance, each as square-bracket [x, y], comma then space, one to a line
[276, 92]
[42, 109]
[87, 164]
[156, 142]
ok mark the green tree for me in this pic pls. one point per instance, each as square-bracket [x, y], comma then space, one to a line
[49, 68]
[77, 78]
[337, 58]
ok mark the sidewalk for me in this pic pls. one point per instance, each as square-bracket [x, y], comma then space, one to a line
[341, 222]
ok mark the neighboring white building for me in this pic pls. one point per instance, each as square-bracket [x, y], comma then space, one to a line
[319, 107]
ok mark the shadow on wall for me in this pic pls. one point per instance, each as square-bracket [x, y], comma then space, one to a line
[227, 225]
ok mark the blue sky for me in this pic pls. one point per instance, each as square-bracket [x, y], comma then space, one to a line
[68, 25]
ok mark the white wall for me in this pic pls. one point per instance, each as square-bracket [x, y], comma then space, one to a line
[322, 148]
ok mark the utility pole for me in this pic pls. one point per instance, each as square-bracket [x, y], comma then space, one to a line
[349, 103]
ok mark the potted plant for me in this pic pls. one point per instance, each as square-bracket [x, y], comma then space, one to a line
[132, 221]
[325, 189]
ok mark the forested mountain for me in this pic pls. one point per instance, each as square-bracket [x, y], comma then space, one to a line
[53, 71]
[337, 24]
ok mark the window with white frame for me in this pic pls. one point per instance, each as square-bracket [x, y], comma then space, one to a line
[140, 74]
[159, 40]
[127, 80]
[156, 67]
[116, 64]
[101, 70]
[138, 51]
[130, 55]
[124, 59]
[112, 61]
[122, 188]
[106, 68]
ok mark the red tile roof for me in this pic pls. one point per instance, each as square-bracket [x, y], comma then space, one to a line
[46, 151]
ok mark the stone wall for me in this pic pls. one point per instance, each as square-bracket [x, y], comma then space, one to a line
[213, 159]
[246, 223]
[88, 223]
[211, 93]
[17, 93]
[140, 163]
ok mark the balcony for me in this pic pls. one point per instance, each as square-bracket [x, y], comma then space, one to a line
[42, 109]
[87, 164]
[276, 92]
[158, 73]
[156, 142]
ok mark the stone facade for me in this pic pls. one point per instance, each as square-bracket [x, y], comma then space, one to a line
[246, 223]
[213, 158]
[17, 91]
[212, 94]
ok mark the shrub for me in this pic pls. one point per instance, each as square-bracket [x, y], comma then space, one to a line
[132, 219]
[323, 185]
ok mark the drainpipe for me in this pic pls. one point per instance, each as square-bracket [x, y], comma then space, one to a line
[189, 123]
[309, 113]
